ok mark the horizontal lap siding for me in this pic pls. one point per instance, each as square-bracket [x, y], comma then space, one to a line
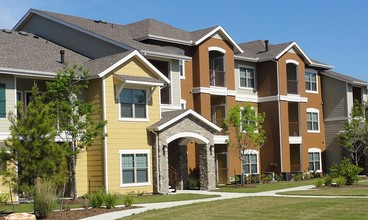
[123, 135]
[10, 101]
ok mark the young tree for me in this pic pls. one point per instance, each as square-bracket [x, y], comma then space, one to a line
[31, 147]
[244, 126]
[354, 138]
[75, 116]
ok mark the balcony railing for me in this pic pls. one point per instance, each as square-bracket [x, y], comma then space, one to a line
[292, 86]
[217, 78]
[295, 167]
[294, 129]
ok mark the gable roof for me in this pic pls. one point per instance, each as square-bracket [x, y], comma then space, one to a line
[256, 51]
[171, 117]
[25, 53]
[105, 65]
[344, 78]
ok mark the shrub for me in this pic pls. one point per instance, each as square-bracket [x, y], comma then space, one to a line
[96, 199]
[193, 183]
[128, 199]
[318, 183]
[279, 177]
[340, 181]
[347, 170]
[44, 198]
[306, 175]
[266, 178]
[110, 200]
[253, 178]
[297, 176]
[4, 198]
[234, 179]
[327, 180]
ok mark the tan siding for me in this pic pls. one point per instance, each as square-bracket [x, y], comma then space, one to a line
[175, 83]
[333, 147]
[126, 135]
[334, 98]
[10, 101]
[239, 90]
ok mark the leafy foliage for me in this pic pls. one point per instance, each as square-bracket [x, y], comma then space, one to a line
[75, 117]
[45, 198]
[318, 182]
[31, 146]
[354, 138]
[96, 200]
[128, 199]
[244, 126]
[110, 200]
[347, 170]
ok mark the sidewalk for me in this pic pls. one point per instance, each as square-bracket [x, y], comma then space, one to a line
[162, 205]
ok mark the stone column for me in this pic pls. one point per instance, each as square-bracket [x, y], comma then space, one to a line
[163, 164]
[207, 167]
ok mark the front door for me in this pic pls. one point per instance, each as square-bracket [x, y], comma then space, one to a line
[221, 168]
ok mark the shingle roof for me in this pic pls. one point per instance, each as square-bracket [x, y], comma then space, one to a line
[167, 116]
[344, 78]
[196, 35]
[257, 49]
[20, 50]
[115, 32]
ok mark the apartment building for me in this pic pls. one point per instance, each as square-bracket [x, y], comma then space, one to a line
[165, 92]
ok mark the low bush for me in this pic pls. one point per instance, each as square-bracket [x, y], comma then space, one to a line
[340, 181]
[279, 177]
[347, 170]
[110, 200]
[128, 199]
[252, 178]
[318, 183]
[193, 183]
[266, 178]
[327, 180]
[44, 198]
[4, 198]
[96, 199]
[297, 176]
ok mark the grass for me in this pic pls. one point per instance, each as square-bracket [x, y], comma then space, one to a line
[137, 200]
[264, 187]
[264, 208]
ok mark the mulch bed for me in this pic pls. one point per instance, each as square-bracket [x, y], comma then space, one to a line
[78, 214]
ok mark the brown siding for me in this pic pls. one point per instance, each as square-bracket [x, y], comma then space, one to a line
[267, 79]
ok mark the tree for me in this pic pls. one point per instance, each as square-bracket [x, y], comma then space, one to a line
[244, 126]
[31, 147]
[354, 137]
[76, 123]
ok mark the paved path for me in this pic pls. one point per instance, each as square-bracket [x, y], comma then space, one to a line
[223, 195]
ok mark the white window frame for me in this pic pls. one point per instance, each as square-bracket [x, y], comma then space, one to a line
[182, 69]
[315, 150]
[148, 152]
[311, 71]
[119, 105]
[313, 111]
[183, 104]
[254, 77]
[251, 152]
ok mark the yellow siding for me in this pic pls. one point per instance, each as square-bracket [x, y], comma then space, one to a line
[123, 135]
[81, 174]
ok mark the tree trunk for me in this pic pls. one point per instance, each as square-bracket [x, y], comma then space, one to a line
[72, 167]
[242, 171]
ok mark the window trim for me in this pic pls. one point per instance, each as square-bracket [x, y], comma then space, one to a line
[249, 152]
[133, 119]
[315, 150]
[254, 77]
[3, 86]
[313, 110]
[311, 71]
[148, 153]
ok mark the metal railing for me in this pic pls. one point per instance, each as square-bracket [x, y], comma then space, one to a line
[217, 78]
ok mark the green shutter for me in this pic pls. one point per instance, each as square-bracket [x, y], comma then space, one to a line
[2, 101]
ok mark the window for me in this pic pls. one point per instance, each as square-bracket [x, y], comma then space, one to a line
[246, 77]
[314, 157]
[134, 167]
[133, 103]
[250, 158]
[2, 101]
[312, 120]
[311, 81]
[181, 69]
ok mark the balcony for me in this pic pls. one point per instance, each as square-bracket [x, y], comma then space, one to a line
[294, 129]
[217, 78]
[292, 87]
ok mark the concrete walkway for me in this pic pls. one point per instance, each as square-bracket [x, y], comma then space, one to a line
[222, 196]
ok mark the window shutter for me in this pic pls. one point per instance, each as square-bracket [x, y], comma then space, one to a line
[2, 101]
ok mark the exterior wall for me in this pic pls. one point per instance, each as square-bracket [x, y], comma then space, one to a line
[333, 147]
[69, 38]
[128, 135]
[267, 79]
[174, 86]
[334, 98]
[9, 105]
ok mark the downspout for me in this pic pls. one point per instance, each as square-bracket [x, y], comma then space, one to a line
[105, 132]
[279, 110]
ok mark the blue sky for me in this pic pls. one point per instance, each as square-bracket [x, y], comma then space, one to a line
[333, 32]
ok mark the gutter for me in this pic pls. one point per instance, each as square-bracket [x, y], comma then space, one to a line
[279, 110]
[164, 55]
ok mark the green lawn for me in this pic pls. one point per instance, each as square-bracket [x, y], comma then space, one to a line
[360, 189]
[264, 208]
[264, 187]
[137, 200]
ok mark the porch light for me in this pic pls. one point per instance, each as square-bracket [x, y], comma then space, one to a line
[212, 149]
[164, 148]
